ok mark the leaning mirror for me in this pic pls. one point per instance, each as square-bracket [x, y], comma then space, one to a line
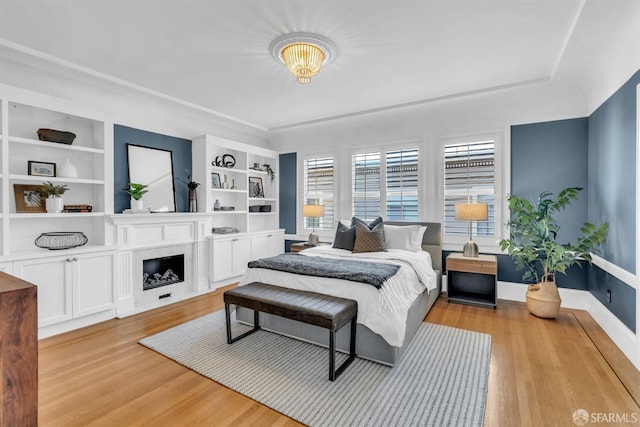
[154, 168]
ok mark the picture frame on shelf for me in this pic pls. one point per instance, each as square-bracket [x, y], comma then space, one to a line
[255, 187]
[215, 180]
[37, 168]
[29, 198]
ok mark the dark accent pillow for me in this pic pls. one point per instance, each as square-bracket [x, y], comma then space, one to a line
[369, 240]
[372, 224]
[345, 237]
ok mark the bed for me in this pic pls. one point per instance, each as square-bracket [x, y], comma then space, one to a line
[381, 336]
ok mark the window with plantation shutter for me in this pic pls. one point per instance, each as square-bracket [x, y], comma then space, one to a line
[385, 185]
[402, 185]
[469, 175]
[318, 189]
[366, 185]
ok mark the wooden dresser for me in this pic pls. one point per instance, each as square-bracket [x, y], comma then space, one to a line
[18, 352]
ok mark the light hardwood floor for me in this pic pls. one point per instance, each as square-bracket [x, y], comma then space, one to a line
[541, 372]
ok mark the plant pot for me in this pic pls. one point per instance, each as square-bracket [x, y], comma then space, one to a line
[137, 205]
[54, 204]
[543, 299]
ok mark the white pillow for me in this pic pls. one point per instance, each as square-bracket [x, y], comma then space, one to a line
[407, 237]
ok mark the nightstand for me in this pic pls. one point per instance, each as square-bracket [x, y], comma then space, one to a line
[301, 246]
[472, 280]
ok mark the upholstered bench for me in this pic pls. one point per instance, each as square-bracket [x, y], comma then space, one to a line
[325, 311]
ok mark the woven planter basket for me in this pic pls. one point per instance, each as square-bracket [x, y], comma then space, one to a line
[543, 299]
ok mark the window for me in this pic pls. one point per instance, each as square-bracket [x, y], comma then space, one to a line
[469, 175]
[397, 197]
[318, 189]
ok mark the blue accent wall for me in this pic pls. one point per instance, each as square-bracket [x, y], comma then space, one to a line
[181, 148]
[612, 171]
[612, 196]
[551, 156]
[288, 192]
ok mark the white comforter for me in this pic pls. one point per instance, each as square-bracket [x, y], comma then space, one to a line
[383, 311]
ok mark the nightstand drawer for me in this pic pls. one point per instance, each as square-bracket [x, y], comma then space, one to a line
[483, 264]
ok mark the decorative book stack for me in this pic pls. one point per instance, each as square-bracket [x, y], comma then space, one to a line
[77, 208]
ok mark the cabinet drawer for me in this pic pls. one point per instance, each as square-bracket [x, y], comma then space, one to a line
[482, 266]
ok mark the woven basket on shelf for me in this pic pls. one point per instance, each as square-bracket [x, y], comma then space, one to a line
[59, 136]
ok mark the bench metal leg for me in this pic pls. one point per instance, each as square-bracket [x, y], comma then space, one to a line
[256, 324]
[334, 373]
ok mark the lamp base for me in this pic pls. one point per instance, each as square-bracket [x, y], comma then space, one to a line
[470, 249]
[313, 240]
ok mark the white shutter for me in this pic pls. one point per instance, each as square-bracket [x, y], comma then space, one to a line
[318, 189]
[402, 185]
[469, 174]
[366, 185]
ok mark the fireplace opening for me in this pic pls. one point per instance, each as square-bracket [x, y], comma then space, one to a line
[164, 271]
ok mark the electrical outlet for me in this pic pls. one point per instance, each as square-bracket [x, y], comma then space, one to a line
[608, 295]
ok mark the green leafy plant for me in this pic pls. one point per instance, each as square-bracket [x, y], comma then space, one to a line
[136, 191]
[533, 231]
[269, 171]
[54, 190]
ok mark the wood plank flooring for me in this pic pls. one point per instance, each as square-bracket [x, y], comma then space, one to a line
[541, 372]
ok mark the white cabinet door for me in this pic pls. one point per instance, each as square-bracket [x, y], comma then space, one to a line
[241, 254]
[230, 256]
[93, 284]
[52, 276]
[266, 245]
[222, 259]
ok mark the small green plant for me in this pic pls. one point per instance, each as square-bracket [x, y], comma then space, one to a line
[532, 240]
[54, 190]
[136, 191]
[269, 171]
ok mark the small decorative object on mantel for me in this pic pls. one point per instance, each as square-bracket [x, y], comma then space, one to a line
[136, 191]
[193, 192]
[61, 240]
[54, 202]
[59, 136]
[224, 161]
[532, 244]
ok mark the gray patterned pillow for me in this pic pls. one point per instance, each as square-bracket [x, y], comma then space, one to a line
[345, 237]
[369, 240]
[372, 224]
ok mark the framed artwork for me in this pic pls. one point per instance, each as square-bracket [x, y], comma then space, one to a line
[255, 187]
[215, 180]
[29, 198]
[41, 168]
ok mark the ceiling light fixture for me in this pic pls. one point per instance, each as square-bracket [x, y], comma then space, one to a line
[303, 53]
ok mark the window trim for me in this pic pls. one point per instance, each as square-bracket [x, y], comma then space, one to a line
[302, 232]
[486, 244]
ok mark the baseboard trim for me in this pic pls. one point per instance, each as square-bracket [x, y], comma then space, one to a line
[619, 333]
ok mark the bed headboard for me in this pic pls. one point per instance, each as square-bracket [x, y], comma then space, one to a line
[431, 242]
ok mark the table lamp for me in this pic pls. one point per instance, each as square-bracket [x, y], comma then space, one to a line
[471, 212]
[313, 211]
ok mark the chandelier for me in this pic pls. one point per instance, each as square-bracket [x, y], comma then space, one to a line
[303, 53]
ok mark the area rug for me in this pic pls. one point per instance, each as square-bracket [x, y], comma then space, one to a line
[441, 380]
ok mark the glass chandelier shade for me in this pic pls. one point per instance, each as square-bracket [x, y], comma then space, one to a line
[304, 54]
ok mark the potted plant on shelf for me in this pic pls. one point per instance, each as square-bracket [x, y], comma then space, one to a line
[269, 171]
[54, 202]
[532, 244]
[136, 191]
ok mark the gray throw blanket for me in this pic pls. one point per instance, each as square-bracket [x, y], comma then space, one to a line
[371, 273]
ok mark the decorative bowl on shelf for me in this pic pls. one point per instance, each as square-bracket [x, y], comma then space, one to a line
[265, 208]
[254, 208]
[61, 240]
[59, 136]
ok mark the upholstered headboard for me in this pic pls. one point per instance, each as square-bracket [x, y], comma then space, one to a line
[431, 242]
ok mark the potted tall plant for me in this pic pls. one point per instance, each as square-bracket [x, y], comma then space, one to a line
[532, 244]
[136, 191]
[54, 202]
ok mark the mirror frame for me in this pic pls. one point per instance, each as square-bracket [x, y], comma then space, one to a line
[145, 165]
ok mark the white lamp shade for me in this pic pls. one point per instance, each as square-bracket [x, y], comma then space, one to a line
[472, 211]
[313, 211]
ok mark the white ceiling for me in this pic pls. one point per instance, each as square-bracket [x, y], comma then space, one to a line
[215, 53]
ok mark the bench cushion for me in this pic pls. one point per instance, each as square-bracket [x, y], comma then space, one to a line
[309, 307]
